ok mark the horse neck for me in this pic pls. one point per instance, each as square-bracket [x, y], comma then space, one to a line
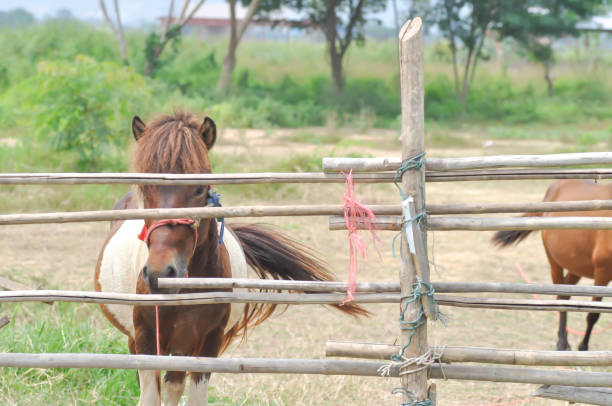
[206, 260]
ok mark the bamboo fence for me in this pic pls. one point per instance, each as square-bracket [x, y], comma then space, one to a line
[414, 259]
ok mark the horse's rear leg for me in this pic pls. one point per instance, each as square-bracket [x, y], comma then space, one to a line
[592, 317]
[556, 273]
[562, 342]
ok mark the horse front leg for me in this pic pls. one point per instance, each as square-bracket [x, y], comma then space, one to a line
[198, 388]
[174, 385]
[144, 343]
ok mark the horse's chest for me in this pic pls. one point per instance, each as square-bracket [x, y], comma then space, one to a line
[183, 328]
[125, 255]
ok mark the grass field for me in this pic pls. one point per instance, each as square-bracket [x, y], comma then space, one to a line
[64, 256]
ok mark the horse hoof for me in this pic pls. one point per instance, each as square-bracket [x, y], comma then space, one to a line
[563, 347]
[583, 347]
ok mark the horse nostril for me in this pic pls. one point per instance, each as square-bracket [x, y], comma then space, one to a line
[171, 271]
[145, 272]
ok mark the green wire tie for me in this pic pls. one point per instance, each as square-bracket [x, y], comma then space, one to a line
[413, 325]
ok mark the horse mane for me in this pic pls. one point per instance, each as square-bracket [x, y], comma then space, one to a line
[172, 144]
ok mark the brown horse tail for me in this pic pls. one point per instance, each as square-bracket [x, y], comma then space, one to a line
[275, 256]
[505, 238]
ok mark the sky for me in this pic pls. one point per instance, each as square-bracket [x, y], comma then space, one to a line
[133, 12]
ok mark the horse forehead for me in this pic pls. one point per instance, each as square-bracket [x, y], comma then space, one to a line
[169, 236]
[170, 196]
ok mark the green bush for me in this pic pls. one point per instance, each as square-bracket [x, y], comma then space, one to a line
[82, 106]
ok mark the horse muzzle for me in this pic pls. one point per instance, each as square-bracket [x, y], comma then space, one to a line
[151, 277]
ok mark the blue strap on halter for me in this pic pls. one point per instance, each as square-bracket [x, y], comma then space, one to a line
[214, 199]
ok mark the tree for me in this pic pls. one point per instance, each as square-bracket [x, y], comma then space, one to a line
[17, 17]
[116, 28]
[540, 22]
[341, 21]
[171, 31]
[81, 106]
[236, 33]
[466, 24]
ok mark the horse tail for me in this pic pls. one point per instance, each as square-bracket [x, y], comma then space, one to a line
[273, 255]
[505, 238]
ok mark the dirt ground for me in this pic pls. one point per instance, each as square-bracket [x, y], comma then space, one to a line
[64, 256]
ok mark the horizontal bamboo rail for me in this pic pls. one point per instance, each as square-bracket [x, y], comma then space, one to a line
[299, 366]
[449, 164]
[476, 354]
[381, 210]
[589, 396]
[185, 299]
[448, 223]
[531, 207]
[200, 212]
[186, 179]
[522, 304]
[518, 223]
[274, 284]
[193, 364]
[521, 375]
[382, 223]
[518, 174]
[391, 287]
[332, 164]
[304, 177]
[294, 298]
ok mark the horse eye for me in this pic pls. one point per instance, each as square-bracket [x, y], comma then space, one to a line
[199, 191]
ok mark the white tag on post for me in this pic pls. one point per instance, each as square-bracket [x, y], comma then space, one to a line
[408, 212]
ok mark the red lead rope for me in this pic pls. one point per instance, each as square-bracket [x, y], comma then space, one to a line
[144, 235]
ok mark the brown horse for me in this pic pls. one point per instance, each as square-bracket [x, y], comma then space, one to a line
[583, 253]
[175, 248]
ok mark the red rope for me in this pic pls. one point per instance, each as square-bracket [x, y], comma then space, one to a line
[355, 212]
[568, 329]
[158, 352]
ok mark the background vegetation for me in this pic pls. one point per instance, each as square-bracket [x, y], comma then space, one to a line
[66, 103]
[63, 88]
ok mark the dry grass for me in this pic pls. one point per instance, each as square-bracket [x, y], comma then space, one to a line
[65, 255]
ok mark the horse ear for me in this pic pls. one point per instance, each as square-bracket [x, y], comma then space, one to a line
[208, 131]
[138, 127]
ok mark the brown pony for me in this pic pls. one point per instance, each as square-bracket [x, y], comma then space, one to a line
[175, 248]
[583, 253]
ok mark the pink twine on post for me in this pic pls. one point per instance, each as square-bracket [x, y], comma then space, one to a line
[355, 212]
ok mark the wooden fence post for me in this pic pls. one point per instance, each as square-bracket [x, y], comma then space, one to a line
[413, 143]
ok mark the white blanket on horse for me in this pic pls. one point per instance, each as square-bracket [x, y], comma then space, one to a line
[125, 255]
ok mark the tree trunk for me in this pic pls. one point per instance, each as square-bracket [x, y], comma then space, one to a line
[227, 69]
[236, 33]
[335, 54]
[229, 61]
[548, 77]
[149, 69]
[396, 17]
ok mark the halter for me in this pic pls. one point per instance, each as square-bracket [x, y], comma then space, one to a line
[193, 224]
[214, 199]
